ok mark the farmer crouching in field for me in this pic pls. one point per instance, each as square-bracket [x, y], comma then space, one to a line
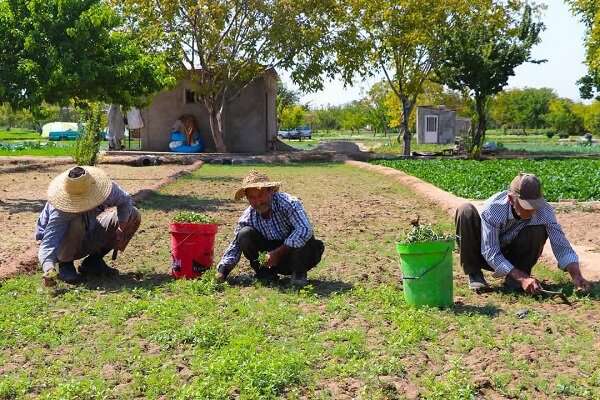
[79, 220]
[275, 223]
[509, 236]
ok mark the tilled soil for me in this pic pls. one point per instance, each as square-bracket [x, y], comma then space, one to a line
[23, 195]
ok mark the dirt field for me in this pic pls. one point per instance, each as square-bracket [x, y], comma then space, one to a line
[23, 195]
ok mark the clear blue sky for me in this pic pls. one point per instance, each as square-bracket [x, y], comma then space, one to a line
[561, 45]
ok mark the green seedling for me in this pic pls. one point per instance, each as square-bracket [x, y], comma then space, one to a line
[191, 217]
[262, 258]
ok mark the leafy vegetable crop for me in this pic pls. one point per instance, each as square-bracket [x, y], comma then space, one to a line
[577, 179]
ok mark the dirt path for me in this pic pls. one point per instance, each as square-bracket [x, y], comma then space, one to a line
[572, 218]
[23, 195]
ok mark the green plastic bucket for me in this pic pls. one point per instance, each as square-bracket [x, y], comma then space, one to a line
[427, 273]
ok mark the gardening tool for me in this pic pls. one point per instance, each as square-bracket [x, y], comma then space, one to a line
[558, 293]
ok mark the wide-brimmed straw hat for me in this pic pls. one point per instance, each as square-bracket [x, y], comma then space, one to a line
[255, 180]
[75, 192]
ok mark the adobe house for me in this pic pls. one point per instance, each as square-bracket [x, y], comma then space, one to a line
[250, 119]
[439, 125]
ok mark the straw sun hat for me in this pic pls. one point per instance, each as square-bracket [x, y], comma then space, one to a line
[76, 192]
[255, 180]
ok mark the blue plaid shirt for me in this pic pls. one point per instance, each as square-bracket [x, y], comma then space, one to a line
[288, 223]
[499, 227]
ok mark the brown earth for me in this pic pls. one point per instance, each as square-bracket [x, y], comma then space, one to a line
[580, 221]
[23, 195]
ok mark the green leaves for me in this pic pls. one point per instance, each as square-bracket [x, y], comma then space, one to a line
[60, 50]
[424, 233]
[561, 179]
[192, 217]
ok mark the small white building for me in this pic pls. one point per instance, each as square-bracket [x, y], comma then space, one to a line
[439, 125]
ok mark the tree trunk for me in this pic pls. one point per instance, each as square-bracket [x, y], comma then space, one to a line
[479, 136]
[404, 133]
[216, 127]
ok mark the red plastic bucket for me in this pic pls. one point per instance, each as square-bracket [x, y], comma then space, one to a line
[192, 248]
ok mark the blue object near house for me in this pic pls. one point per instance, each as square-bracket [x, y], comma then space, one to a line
[64, 135]
[178, 139]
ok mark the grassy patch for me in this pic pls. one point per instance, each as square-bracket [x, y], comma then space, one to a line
[349, 334]
[19, 134]
[562, 179]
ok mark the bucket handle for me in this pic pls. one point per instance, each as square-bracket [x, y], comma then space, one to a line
[179, 244]
[428, 269]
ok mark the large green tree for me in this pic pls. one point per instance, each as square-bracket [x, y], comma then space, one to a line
[489, 42]
[522, 108]
[589, 12]
[562, 117]
[401, 39]
[222, 45]
[59, 50]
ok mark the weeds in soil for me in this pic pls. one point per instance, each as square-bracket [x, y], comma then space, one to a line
[424, 233]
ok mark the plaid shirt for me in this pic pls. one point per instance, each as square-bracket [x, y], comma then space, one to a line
[288, 223]
[499, 227]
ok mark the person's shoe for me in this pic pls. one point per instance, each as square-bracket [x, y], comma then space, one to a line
[67, 273]
[94, 265]
[477, 281]
[299, 279]
[266, 275]
[220, 277]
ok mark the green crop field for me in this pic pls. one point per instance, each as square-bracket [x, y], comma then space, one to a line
[577, 179]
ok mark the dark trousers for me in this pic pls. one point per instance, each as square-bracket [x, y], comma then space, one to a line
[523, 252]
[297, 260]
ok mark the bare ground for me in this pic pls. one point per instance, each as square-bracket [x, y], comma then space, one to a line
[23, 196]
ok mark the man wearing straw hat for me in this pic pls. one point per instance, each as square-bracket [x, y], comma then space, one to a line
[275, 223]
[509, 236]
[87, 215]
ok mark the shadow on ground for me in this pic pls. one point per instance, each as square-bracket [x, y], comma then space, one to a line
[169, 202]
[126, 281]
[469, 309]
[322, 288]
[15, 206]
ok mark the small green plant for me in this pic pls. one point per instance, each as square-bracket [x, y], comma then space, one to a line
[424, 233]
[191, 217]
[262, 258]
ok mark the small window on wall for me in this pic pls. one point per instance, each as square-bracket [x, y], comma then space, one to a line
[189, 96]
[431, 122]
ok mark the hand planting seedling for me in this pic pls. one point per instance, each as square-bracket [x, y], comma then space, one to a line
[191, 217]
[424, 233]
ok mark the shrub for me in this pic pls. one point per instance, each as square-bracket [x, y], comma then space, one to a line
[563, 135]
[550, 134]
[88, 144]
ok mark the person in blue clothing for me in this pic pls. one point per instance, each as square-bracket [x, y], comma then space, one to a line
[185, 137]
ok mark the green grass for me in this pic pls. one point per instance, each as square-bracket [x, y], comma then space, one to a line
[19, 134]
[349, 334]
[562, 179]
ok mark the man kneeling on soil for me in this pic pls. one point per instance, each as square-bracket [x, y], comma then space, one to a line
[509, 237]
[79, 220]
[276, 223]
